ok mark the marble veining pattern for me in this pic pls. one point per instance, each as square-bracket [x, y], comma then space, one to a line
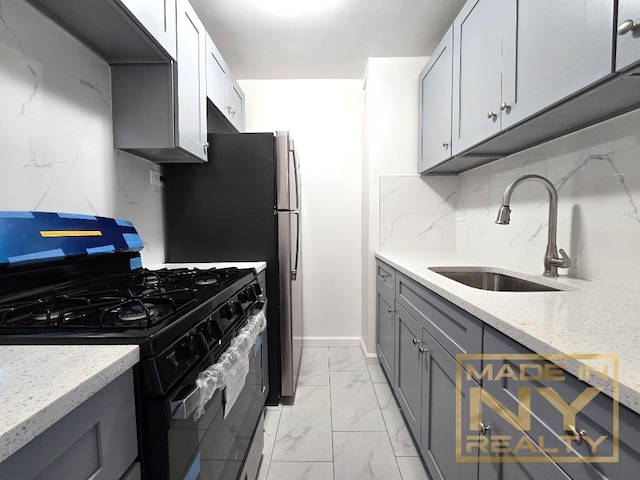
[346, 358]
[301, 471]
[304, 432]
[354, 407]
[40, 384]
[399, 435]
[417, 214]
[377, 374]
[314, 366]
[365, 456]
[56, 131]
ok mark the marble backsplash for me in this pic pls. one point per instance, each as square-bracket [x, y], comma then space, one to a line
[56, 140]
[597, 174]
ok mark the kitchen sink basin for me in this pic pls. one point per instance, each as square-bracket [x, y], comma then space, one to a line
[492, 281]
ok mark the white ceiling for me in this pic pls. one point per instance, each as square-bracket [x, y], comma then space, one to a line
[333, 41]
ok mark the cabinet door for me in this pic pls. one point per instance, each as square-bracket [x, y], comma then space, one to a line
[216, 75]
[559, 49]
[505, 465]
[408, 386]
[158, 17]
[628, 44]
[385, 336]
[191, 100]
[438, 422]
[435, 106]
[477, 70]
[235, 103]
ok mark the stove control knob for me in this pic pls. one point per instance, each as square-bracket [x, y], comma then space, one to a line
[251, 294]
[257, 289]
[226, 312]
[236, 308]
[212, 330]
[243, 297]
[190, 348]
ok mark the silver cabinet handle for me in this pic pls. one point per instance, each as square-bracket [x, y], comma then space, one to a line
[626, 27]
[383, 275]
[422, 349]
[416, 341]
[577, 434]
[206, 147]
[491, 115]
[484, 429]
[504, 106]
[445, 145]
[389, 310]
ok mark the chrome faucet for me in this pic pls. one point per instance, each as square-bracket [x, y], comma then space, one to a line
[551, 259]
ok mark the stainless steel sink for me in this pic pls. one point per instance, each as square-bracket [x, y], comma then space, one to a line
[492, 281]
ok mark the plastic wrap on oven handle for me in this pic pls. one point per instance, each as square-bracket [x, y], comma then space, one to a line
[215, 377]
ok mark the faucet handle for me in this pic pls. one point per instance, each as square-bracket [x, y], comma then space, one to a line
[564, 262]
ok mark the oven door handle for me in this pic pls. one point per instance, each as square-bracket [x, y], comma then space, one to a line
[184, 408]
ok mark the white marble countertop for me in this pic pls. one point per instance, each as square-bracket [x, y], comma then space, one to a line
[585, 318]
[259, 266]
[40, 384]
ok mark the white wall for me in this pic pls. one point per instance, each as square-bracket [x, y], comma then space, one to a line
[56, 141]
[390, 146]
[324, 118]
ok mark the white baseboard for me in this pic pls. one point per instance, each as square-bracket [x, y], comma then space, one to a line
[331, 341]
[369, 358]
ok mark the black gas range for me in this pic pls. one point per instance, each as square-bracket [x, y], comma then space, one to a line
[184, 320]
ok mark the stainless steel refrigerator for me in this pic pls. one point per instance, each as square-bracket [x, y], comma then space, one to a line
[244, 205]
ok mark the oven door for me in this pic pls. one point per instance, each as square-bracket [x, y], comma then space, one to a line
[215, 446]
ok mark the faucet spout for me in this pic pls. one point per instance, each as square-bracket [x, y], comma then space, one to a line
[552, 261]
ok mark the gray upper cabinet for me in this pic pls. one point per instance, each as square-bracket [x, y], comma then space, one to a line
[628, 34]
[160, 110]
[235, 103]
[158, 17]
[120, 31]
[192, 82]
[560, 48]
[479, 31]
[435, 106]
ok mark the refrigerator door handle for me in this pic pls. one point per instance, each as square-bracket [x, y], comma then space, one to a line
[294, 272]
[296, 175]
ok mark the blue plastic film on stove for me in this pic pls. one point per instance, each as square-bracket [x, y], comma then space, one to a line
[194, 469]
[123, 223]
[16, 215]
[33, 257]
[26, 235]
[77, 216]
[133, 240]
[135, 263]
[102, 249]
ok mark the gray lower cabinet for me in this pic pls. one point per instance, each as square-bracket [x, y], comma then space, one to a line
[628, 34]
[385, 344]
[97, 441]
[435, 92]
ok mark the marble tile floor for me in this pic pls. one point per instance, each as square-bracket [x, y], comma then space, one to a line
[344, 425]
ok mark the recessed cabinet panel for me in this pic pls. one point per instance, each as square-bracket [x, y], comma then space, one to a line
[158, 17]
[628, 37]
[435, 106]
[408, 387]
[385, 336]
[191, 101]
[477, 72]
[560, 48]
[216, 75]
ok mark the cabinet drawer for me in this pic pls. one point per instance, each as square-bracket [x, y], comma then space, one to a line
[547, 422]
[456, 330]
[386, 281]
